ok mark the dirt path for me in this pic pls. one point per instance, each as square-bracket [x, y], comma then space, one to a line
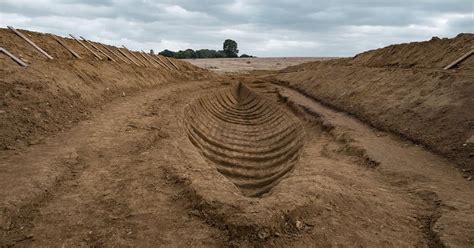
[95, 185]
[450, 198]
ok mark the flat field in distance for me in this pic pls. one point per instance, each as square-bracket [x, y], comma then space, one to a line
[245, 65]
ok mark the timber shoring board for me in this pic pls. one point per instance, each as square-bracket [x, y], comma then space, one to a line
[150, 57]
[114, 53]
[138, 58]
[128, 57]
[459, 60]
[17, 60]
[145, 62]
[30, 42]
[147, 59]
[88, 49]
[135, 56]
[172, 63]
[169, 68]
[65, 46]
[96, 48]
[158, 62]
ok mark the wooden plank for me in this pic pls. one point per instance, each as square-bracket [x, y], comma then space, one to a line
[172, 63]
[141, 59]
[88, 49]
[65, 46]
[163, 62]
[96, 48]
[30, 42]
[138, 58]
[141, 62]
[147, 59]
[459, 60]
[154, 61]
[128, 57]
[114, 53]
[158, 62]
[19, 61]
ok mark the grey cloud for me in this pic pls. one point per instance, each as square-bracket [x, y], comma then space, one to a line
[263, 28]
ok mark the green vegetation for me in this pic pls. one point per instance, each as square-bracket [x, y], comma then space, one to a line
[230, 50]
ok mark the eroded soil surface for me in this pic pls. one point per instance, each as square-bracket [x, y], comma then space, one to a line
[104, 154]
[129, 176]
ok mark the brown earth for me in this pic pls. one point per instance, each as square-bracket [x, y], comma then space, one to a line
[50, 95]
[249, 65]
[167, 163]
[402, 89]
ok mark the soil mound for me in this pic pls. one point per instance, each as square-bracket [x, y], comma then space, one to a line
[253, 142]
[435, 53]
[52, 94]
[402, 89]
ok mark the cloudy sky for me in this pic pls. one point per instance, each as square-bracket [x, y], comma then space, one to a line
[263, 28]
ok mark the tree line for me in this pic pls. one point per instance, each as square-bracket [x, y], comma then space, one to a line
[229, 50]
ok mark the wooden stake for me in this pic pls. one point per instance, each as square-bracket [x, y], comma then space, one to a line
[30, 42]
[96, 48]
[112, 52]
[128, 57]
[88, 49]
[147, 59]
[163, 62]
[19, 61]
[141, 62]
[459, 60]
[65, 46]
[153, 61]
[172, 63]
[158, 62]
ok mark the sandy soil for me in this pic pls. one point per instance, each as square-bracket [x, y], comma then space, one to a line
[246, 65]
[429, 105]
[168, 164]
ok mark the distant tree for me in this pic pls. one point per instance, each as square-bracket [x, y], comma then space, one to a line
[186, 54]
[207, 53]
[230, 48]
[246, 56]
[230, 51]
[167, 53]
[221, 54]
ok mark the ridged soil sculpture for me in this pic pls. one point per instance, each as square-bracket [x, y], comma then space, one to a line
[252, 141]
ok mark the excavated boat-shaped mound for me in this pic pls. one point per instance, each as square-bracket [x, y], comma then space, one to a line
[252, 141]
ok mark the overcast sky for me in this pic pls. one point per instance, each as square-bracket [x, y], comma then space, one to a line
[261, 28]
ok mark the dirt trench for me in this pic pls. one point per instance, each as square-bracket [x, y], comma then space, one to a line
[130, 176]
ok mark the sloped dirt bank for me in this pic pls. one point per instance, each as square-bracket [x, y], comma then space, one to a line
[430, 106]
[412, 170]
[50, 95]
[95, 185]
